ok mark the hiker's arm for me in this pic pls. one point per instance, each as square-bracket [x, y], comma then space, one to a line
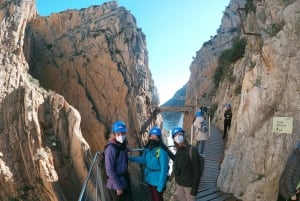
[164, 168]
[137, 159]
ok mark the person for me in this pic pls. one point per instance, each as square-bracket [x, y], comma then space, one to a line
[186, 167]
[203, 109]
[289, 184]
[200, 131]
[227, 119]
[156, 164]
[116, 164]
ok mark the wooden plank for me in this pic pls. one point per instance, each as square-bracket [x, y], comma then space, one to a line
[223, 197]
[214, 196]
[214, 155]
[206, 192]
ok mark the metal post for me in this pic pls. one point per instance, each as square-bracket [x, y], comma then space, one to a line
[192, 133]
[208, 126]
[208, 113]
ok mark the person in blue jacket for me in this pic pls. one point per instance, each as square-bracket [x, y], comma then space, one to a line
[116, 164]
[156, 164]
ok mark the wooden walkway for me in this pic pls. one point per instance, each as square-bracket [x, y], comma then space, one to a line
[214, 154]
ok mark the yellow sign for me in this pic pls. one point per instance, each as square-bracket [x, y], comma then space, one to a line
[283, 125]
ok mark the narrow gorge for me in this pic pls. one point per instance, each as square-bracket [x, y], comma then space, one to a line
[66, 77]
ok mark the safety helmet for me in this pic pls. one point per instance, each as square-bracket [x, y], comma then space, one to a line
[119, 127]
[228, 105]
[176, 130]
[199, 114]
[155, 131]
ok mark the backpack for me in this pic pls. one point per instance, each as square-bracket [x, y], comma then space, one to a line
[102, 160]
[200, 158]
[203, 128]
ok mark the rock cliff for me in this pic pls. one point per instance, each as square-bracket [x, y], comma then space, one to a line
[253, 63]
[97, 59]
[32, 121]
[92, 69]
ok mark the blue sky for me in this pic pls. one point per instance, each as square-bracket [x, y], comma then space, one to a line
[174, 29]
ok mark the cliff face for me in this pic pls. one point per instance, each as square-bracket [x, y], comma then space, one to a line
[261, 83]
[94, 59]
[97, 59]
[32, 122]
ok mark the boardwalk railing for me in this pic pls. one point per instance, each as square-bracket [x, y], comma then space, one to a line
[97, 186]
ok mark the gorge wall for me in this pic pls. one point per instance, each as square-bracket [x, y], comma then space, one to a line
[260, 78]
[97, 59]
[94, 60]
[31, 119]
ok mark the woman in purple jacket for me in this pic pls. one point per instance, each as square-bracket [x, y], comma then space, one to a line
[116, 164]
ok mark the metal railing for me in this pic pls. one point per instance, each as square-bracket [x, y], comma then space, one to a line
[93, 182]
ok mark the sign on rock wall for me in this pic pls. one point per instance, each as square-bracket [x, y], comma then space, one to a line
[282, 125]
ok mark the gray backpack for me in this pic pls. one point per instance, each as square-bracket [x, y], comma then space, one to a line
[203, 128]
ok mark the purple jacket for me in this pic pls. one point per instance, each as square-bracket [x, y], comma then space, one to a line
[116, 167]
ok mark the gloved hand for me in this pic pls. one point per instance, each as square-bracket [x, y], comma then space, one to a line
[294, 197]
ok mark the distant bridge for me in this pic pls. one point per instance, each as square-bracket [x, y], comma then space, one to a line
[185, 109]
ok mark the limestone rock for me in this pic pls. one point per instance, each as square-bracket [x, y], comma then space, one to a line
[94, 59]
[260, 85]
[97, 59]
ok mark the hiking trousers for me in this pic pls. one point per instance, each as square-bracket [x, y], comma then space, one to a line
[184, 193]
[227, 124]
[156, 196]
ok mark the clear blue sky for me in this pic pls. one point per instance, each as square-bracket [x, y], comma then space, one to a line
[174, 29]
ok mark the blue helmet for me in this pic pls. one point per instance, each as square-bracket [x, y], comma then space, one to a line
[176, 130]
[199, 114]
[119, 127]
[155, 131]
[228, 105]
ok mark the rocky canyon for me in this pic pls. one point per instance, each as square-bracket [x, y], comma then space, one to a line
[65, 78]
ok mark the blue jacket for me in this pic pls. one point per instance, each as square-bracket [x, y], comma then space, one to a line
[116, 167]
[156, 162]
